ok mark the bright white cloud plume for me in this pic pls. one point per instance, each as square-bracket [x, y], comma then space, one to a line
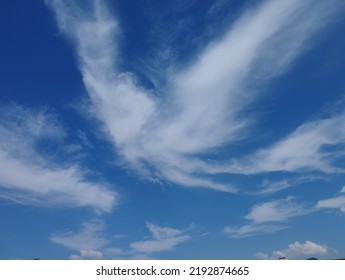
[27, 176]
[267, 218]
[163, 135]
[164, 239]
[298, 250]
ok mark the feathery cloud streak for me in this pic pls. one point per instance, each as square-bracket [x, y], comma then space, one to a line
[28, 177]
[267, 218]
[269, 187]
[164, 239]
[89, 238]
[202, 107]
[91, 242]
[307, 148]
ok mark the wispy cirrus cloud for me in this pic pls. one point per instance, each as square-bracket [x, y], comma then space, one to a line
[269, 187]
[275, 211]
[307, 148]
[164, 135]
[299, 250]
[268, 217]
[87, 255]
[164, 239]
[91, 243]
[29, 176]
[88, 238]
[251, 230]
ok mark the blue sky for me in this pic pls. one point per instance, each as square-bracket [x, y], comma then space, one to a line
[172, 129]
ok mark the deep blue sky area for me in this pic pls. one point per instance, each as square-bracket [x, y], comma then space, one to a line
[172, 129]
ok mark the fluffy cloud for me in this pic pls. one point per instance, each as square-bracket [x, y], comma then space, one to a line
[297, 250]
[162, 135]
[28, 176]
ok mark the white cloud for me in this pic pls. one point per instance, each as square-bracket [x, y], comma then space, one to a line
[28, 176]
[269, 187]
[85, 141]
[267, 218]
[251, 230]
[164, 239]
[303, 149]
[275, 211]
[337, 202]
[37, 185]
[297, 250]
[89, 239]
[202, 107]
[87, 255]
[162, 233]
[262, 256]
[91, 243]
[333, 203]
[22, 129]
